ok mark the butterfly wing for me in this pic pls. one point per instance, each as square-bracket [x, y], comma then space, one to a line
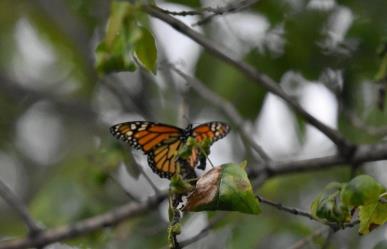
[213, 131]
[160, 142]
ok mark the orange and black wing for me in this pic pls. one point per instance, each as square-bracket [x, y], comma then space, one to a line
[160, 142]
[212, 130]
[163, 159]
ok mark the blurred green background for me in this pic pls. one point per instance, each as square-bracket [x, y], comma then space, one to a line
[57, 155]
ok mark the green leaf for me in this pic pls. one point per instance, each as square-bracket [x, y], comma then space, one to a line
[179, 186]
[236, 192]
[226, 187]
[327, 204]
[113, 53]
[361, 190]
[145, 50]
[124, 39]
[371, 216]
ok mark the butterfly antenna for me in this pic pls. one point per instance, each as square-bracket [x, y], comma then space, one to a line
[212, 165]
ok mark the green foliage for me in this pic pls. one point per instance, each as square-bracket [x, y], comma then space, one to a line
[235, 191]
[361, 190]
[226, 187]
[328, 205]
[145, 50]
[371, 216]
[202, 148]
[338, 201]
[124, 39]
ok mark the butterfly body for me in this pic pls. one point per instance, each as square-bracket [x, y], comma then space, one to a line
[161, 142]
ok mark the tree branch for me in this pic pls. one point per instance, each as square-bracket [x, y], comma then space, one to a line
[230, 8]
[258, 77]
[364, 153]
[19, 208]
[291, 210]
[86, 226]
[333, 225]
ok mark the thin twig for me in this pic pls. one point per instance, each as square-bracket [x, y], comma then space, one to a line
[220, 10]
[230, 8]
[225, 106]
[86, 226]
[345, 147]
[20, 209]
[291, 210]
[333, 225]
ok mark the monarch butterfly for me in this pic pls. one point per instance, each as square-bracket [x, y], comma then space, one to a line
[161, 142]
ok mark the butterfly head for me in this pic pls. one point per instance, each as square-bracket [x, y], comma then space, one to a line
[187, 132]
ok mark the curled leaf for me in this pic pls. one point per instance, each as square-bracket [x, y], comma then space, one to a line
[327, 205]
[206, 192]
[226, 187]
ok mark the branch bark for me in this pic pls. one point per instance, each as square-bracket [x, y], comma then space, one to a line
[86, 226]
[20, 209]
[364, 153]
